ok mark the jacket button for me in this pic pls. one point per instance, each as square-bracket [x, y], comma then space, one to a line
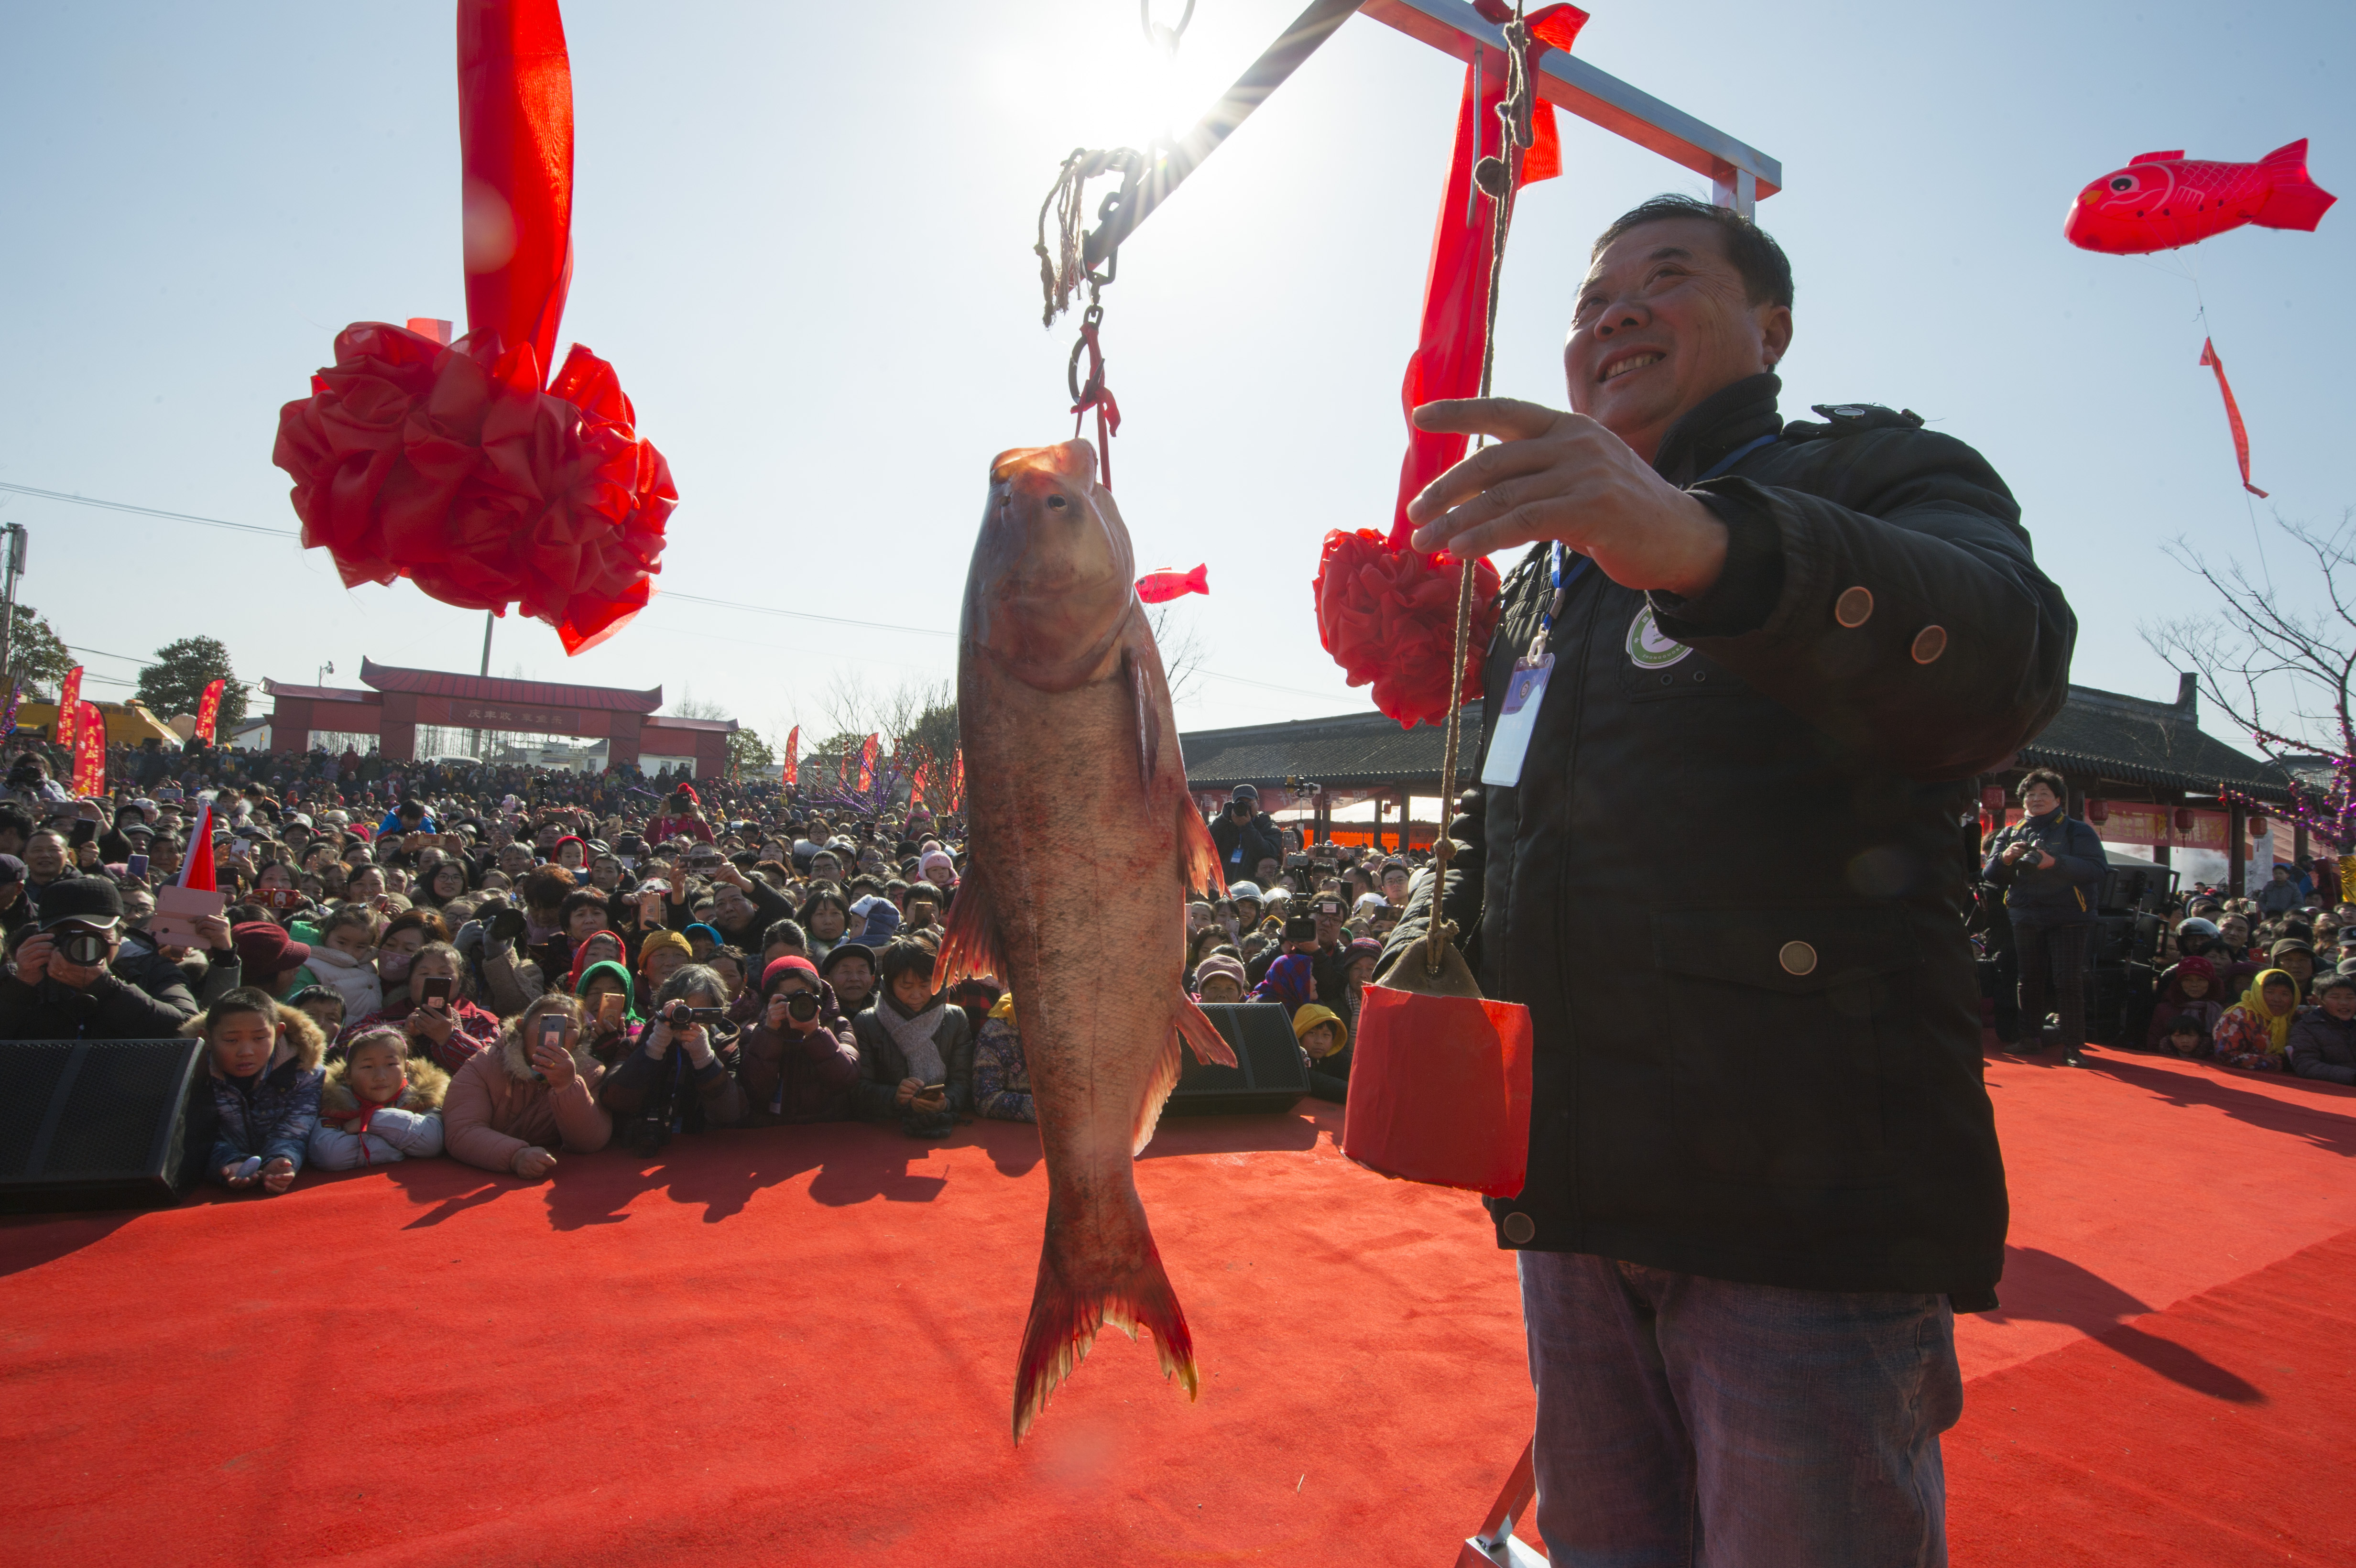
[1854, 608]
[1797, 958]
[1929, 644]
[1520, 1229]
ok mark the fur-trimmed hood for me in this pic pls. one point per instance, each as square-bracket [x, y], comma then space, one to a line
[300, 1040]
[427, 1085]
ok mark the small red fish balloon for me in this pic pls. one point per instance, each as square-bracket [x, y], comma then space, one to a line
[2163, 200]
[1160, 587]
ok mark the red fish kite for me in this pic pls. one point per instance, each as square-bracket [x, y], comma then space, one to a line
[1161, 587]
[2163, 200]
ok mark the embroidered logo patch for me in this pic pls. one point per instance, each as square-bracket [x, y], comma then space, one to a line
[1647, 649]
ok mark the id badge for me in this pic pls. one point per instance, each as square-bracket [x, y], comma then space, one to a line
[1517, 716]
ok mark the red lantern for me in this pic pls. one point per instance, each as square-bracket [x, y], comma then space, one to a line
[2259, 826]
[2184, 819]
[2098, 812]
[1992, 798]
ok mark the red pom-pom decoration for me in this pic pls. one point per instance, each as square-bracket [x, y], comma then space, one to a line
[450, 466]
[1388, 616]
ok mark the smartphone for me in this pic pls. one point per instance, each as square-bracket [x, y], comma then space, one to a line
[932, 1089]
[551, 1035]
[136, 866]
[433, 991]
[252, 1165]
[609, 1010]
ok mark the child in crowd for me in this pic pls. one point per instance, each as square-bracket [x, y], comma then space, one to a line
[323, 1004]
[379, 1105]
[263, 1060]
[1325, 1044]
[1002, 1082]
[344, 957]
[2191, 986]
[2323, 1040]
[2255, 1031]
[2186, 1039]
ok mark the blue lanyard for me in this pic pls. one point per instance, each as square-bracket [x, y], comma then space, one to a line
[1555, 555]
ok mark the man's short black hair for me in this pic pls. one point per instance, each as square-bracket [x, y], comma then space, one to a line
[1766, 270]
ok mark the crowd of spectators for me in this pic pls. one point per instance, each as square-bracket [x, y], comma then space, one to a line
[511, 965]
[2265, 984]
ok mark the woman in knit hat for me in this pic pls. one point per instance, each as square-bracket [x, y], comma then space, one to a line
[1219, 978]
[798, 1060]
[660, 955]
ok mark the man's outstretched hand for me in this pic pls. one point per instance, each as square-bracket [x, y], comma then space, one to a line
[1557, 476]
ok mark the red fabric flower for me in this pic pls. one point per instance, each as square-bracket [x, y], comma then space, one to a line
[450, 466]
[1388, 616]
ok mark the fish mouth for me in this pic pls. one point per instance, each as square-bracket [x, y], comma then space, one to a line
[1628, 362]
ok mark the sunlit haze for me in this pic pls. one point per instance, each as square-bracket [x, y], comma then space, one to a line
[803, 238]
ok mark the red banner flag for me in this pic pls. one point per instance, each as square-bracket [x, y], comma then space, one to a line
[209, 710]
[917, 787]
[957, 781]
[867, 764]
[68, 709]
[2233, 416]
[89, 751]
[789, 769]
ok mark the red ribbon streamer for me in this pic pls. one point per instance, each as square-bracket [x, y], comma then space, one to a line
[515, 145]
[2233, 416]
[1385, 612]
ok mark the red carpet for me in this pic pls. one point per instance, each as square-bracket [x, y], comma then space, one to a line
[796, 1346]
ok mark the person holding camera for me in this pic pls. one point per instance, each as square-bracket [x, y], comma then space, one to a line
[2051, 865]
[60, 984]
[1245, 835]
[800, 1058]
[507, 1106]
[682, 1078]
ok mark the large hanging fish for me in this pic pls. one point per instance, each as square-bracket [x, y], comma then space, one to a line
[1085, 846]
[2162, 200]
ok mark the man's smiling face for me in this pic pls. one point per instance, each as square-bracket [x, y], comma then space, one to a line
[1663, 321]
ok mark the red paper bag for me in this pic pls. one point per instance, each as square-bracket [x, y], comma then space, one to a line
[1440, 1091]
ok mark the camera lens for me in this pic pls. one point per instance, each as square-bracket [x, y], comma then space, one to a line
[801, 1005]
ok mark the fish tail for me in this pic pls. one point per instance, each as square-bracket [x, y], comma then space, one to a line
[1074, 1298]
[2296, 201]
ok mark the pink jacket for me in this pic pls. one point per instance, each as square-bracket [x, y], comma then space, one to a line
[496, 1106]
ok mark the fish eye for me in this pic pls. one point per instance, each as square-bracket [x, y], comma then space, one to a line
[1057, 502]
[2123, 183]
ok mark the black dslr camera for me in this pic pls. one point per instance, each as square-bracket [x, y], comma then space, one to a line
[80, 945]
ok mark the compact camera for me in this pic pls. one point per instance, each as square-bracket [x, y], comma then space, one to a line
[678, 1015]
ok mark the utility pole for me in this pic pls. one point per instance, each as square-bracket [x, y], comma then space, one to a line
[15, 533]
[490, 620]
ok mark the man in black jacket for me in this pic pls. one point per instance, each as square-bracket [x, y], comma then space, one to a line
[2051, 867]
[1763, 1168]
[59, 985]
[1245, 835]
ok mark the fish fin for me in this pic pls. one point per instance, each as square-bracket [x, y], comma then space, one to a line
[1149, 733]
[2296, 201]
[1071, 1302]
[1203, 1034]
[969, 944]
[1197, 581]
[2166, 157]
[1198, 852]
[1167, 1066]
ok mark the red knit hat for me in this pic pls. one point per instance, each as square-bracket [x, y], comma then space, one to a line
[787, 965]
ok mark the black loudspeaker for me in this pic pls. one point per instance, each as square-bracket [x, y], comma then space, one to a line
[96, 1123]
[2111, 940]
[1267, 1079]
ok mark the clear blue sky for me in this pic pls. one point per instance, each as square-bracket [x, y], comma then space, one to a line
[804, 242]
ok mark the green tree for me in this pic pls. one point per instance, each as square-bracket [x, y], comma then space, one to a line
[749, 754]
[176, 682]
[40, 656]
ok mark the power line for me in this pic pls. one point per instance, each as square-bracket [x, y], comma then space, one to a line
[660, 594]
[148, 511]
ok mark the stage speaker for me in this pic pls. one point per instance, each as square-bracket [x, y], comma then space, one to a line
[2130, 884]
[1267, 1079]
[96, 1123]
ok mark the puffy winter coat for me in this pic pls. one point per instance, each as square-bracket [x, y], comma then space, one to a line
[2323, 1047]
[2064, 893]
[350, 1135]
[496, 1106]
[273, 1113]
[1751, 799]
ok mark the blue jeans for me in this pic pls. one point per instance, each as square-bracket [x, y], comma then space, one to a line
[1693, 1423]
